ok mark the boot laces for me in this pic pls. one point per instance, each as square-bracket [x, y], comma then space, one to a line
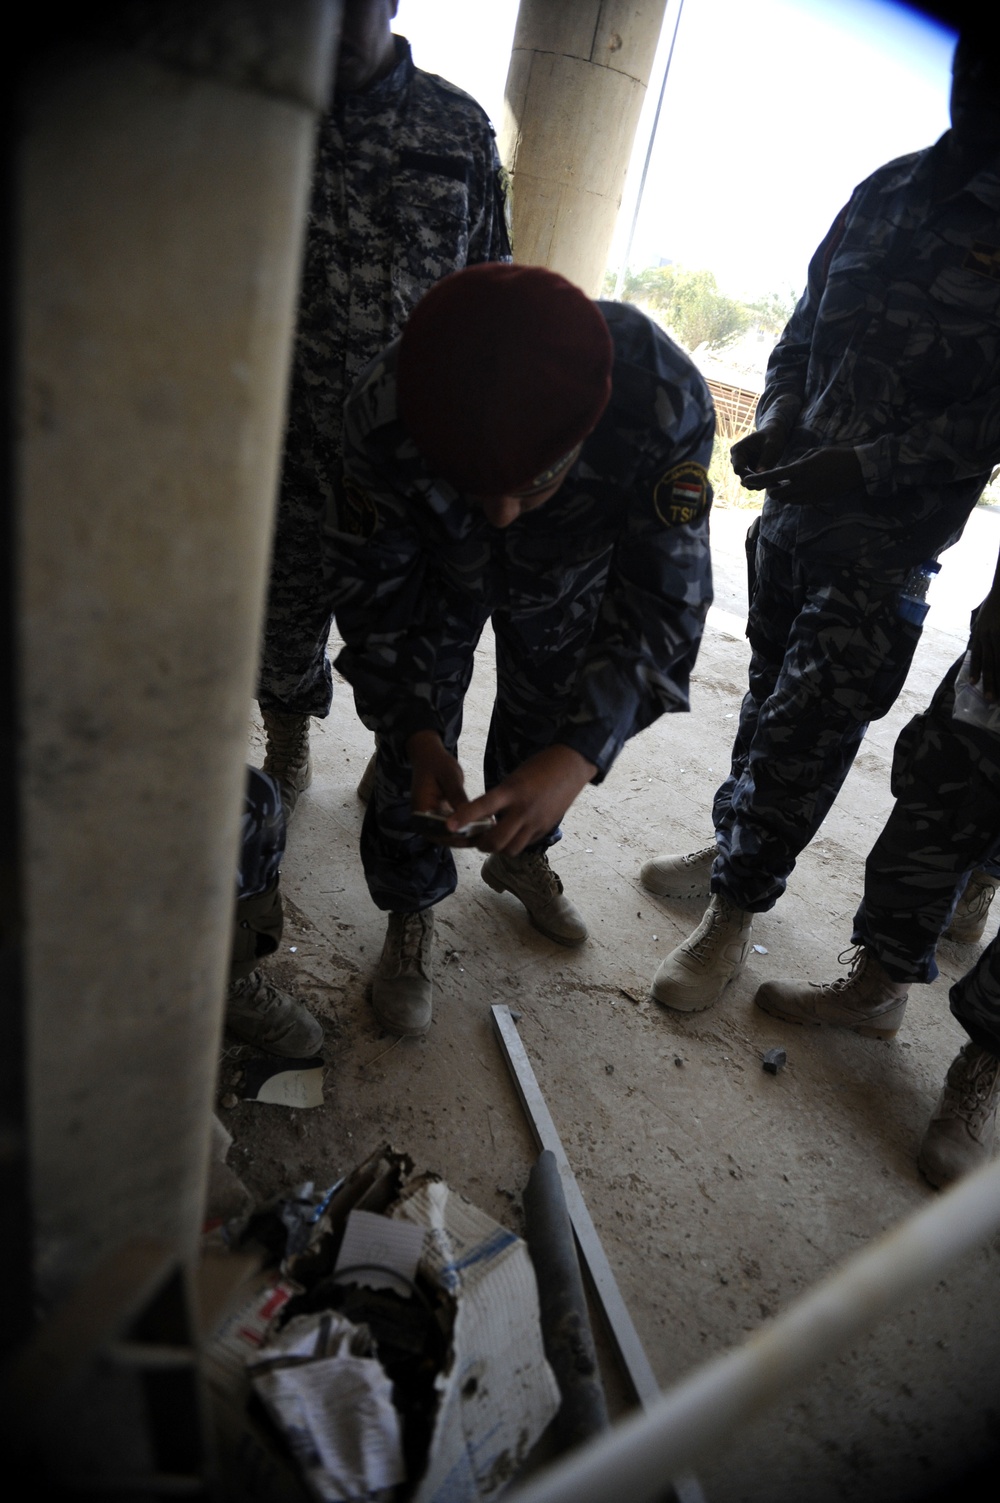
[707, 940]
[413, 936]
[973, 1089]
[855, 956]
[255, 992]
[981, 897]
[535, 866]
[289, 735]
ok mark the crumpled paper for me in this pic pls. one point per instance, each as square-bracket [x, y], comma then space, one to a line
[333, 1402]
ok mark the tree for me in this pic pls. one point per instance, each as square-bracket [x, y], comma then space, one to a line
[772, 312]
[688, 304]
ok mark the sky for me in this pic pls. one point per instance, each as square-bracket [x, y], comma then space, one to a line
[773, 110]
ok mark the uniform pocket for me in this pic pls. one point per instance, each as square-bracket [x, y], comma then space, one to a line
[953, 346]
[431, 212]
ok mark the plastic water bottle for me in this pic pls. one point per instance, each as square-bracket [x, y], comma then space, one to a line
[913, 596]
[971, 705]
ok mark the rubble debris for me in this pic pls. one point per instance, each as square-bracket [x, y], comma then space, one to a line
[449, 1341]
[283, 1082]
[774, 1060]
[377, 1252]
[301, 1215]
[321, 1382]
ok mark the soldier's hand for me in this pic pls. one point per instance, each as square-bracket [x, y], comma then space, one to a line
[438, 781]
[530, 802]
[984, 659]
[760, 450]
[823, 475]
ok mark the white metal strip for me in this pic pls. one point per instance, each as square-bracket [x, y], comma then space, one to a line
[624, 1333]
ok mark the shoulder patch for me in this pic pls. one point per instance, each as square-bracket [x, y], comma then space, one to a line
[985, 259]
[681, 494]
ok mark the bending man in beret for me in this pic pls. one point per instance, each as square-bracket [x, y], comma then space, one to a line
[524, 455]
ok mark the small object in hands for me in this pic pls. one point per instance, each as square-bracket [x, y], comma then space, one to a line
[775, 1060]
[426, 823]
[477, 827]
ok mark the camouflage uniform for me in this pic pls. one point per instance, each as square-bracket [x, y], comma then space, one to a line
[598, 598]
[946, 821]
[894, 351]
[407, 187]
[259, 917]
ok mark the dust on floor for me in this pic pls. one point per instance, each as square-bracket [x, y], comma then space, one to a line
[720, 1191]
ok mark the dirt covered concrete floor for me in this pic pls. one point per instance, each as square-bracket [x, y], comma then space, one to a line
[720, 1192]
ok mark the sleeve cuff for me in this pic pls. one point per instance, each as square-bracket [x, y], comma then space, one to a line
[594, 742]
[416, 716]
[783, 408]
[877, 469]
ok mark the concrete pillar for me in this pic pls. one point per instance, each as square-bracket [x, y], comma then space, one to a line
[164, 172]
[577, 78]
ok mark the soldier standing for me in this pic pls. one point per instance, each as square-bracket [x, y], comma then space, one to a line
[524, 455]
[945, 822]
[407, 187]
[877, 430]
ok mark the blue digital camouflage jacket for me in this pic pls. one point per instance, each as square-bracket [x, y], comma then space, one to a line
[407, 186]
[894, 349]
[415, 570]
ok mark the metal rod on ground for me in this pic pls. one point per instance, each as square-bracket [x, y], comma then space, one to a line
[569, 1341]
[623, 1332]
[631, 1460]
[685, 1489]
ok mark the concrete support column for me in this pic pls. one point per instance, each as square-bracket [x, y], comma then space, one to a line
[164, 174]
[578, 74]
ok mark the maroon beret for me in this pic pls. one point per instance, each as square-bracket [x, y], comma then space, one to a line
[502, 371]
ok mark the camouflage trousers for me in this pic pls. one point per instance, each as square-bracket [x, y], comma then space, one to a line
[256, 931]
[538, 655]
[945, 822]
[830, 653]
[259, 914]
[295, 676]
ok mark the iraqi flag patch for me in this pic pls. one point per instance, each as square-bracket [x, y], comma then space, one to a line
[681, 495]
